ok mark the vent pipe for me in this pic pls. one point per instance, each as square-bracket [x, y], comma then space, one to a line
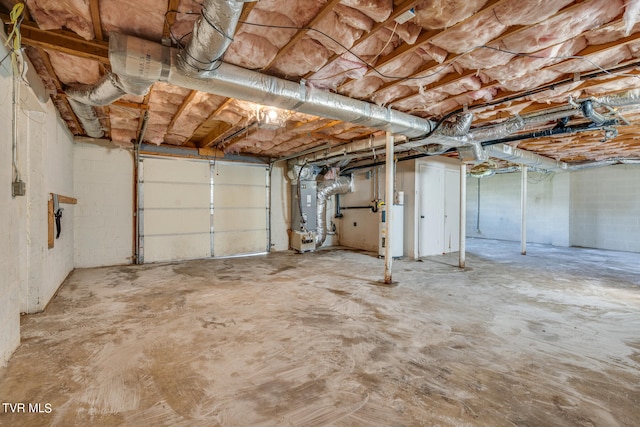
[326, 189]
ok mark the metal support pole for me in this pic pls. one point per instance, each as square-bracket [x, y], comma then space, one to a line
[523, 211]
[463, 213]
[388, 254]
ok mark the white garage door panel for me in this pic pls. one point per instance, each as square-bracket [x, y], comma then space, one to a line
[240, 197]
[163, 195]
[239, 174]
[239, 220]
[177, 217]
[169, 248]
[174, 170]
[239, 209]
[160, 222]
[240, 242]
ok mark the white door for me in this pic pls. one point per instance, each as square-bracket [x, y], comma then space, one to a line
[431, 210]
[176, 209]
[451, 211]
[240, 215]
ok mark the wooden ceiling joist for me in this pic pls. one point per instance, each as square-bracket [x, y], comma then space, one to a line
[62, 41]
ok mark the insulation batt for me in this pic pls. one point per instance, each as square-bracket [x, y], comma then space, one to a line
[344, 35]
[353, 18]
[56, 14]
[364, 87]
[564, 26]
[479, 30]
[305, 56]
[381, 43]
[439, 14]
[250, 51]
[73, 69]
[276, 36]
[527, 12]
[519, 66]
[609, 33]
[532, 80]
[605, 59]
[146, 22]
[336, 72]
[300, 11]
[408, 31]
[394, 92]
[198, 110]
[40, 67]
[378, 10]
[616, 85]
[631, 15]
[188, 13]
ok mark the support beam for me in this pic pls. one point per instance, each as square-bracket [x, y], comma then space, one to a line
[523, 211]
[388, 254]
[463, 214]
[62, 41]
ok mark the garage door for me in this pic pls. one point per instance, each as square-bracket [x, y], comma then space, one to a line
[176, 216]
[240, 209]
[198, 209]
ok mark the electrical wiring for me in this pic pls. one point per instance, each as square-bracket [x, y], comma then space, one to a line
[369, 64]
[5, 57]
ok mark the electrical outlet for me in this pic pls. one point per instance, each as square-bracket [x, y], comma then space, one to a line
[18, 188]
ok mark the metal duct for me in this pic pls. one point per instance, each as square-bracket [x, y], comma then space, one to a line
[591, 114]
[88, 117]
[326, 189]
[212, 34]
[108, 89]
[630, 97]
[140, 59]
[523, 157]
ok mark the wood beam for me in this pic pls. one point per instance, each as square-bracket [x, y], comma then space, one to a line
[246, 10]
[60, 93]
[170, 19]
[94, 8]
[62, 41]
[197, 137]
[187, 101]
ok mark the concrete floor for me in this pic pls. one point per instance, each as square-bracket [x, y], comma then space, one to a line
[552, 338]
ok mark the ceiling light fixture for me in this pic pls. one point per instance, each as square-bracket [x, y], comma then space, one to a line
[271, 117]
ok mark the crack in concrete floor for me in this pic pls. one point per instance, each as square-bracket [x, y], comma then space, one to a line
[551, 338]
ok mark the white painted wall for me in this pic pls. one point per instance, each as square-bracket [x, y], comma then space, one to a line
[548, 207]
[30, 273]
[11, 211]
[104, 219]
[605, 208]
[359, 228]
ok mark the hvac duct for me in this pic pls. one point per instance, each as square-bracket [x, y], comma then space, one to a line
[517, 155]
[88, 117]
[630, 97]
[143, 60]
[326, 189]
[212, 34]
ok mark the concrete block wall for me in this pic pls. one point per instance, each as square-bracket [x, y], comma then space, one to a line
[10, 212]
[30, 273]
[104, 214]
[605, 208]
[548, 202]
